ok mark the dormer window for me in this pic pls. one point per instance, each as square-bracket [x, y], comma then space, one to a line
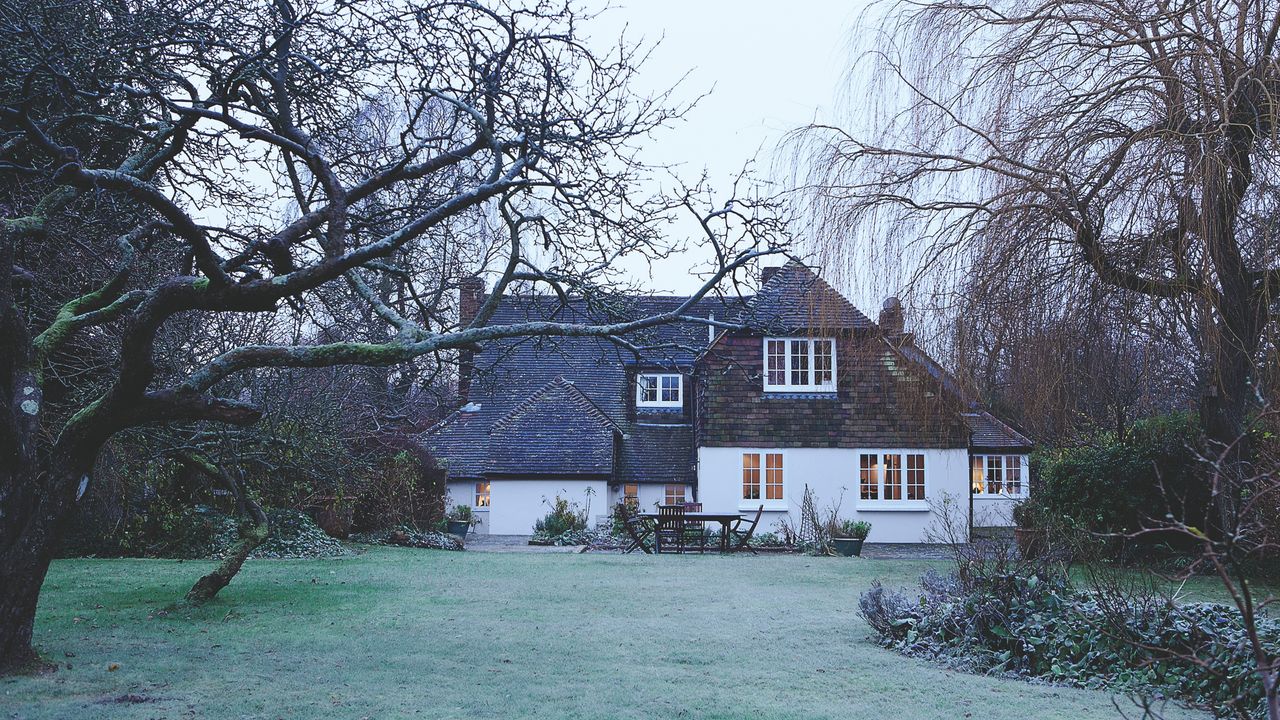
[799, 364]
[659, 390]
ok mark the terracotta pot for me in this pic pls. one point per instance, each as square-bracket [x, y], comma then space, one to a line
[1031, 542]
[334, 518]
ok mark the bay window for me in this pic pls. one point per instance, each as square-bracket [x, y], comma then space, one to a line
[800, 364]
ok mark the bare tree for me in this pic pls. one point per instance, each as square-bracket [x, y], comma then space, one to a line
[169, 164]
[1081, 144]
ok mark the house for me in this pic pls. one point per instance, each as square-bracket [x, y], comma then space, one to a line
[813, 394]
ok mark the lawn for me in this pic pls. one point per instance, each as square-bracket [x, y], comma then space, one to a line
[420, 633]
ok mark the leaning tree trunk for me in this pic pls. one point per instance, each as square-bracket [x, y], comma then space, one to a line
[253, 530]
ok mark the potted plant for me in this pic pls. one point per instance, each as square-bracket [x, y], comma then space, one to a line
[849, 537]
[460, 520]
[1029, 532]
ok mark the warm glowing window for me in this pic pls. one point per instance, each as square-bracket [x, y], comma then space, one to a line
[881, 476]
[773, 476]
[762, 476]
[482, 495]
[675, 494]
[998, 475]
[631, 496]
[800, 364]
[869, 477]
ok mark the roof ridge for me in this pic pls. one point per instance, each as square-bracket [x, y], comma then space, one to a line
[557, 383]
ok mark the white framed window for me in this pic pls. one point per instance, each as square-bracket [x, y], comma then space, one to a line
[892, 479]
[659, 390]
[762, 478]
[631, 496]
[482, 494]
[799, 364]
[998, 475]
[674, 494]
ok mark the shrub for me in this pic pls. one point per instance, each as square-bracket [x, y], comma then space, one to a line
[1037, 626]
[856, 529]
[1119, 484]
[563, 517]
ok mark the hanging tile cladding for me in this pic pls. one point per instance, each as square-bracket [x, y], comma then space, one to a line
[882, 400]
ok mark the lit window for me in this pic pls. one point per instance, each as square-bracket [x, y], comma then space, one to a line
[773, 476]
[800, 364]
[482, 494]
[675, 494]
[995, 474]
[998, 475]
[869, 477]
[880, 476]
[631, 496]
[767, 485]
[659, 390]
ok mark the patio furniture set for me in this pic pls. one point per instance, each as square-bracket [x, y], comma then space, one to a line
[683, 528]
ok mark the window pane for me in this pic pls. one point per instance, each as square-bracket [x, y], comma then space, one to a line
[751, 476]
[975, 474]
[670, 388]
[868, 478]
[648, 388]
[823, 372]
[777, 362]
[995, 475]
[773, 476]
[892, 477]
[631, 496]
[675, 494]
[915, 477]
[800, 362]
[482, 494]
[1013, 474]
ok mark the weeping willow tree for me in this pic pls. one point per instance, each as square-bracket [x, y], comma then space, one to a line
[1034, 155]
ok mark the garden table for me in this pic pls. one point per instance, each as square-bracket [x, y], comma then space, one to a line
[726, 521]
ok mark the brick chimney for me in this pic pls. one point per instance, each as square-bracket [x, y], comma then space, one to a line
[767, 272]
[470, 297]
[891, 320]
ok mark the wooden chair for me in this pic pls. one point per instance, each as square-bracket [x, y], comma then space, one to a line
[739, 537]
[638, 529]
[695, 531]
[669, 533]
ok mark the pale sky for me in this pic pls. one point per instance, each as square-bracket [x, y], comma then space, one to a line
[769, 67]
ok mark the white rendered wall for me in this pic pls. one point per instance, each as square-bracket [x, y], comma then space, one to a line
[650, 495]
[515, 505]
[832, 475]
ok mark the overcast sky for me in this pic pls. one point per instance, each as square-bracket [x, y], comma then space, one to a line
[769, 67]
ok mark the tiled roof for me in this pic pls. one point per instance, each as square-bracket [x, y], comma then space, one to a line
[658, 453]
[795, 298]
[511, 372]
[557, 430]
[990, 432]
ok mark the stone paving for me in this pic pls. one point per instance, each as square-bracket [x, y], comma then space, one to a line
[514, 544]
